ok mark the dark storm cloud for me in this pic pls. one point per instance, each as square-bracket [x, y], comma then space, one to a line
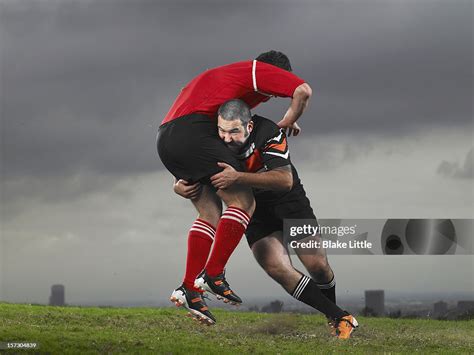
[85, 84]
[454, 169]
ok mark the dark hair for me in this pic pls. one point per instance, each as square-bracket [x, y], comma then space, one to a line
[275, 58]
[235, 109]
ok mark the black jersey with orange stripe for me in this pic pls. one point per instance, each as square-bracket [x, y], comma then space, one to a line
[267, 149]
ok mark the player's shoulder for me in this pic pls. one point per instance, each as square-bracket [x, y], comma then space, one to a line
[264, 129]
[264, 124]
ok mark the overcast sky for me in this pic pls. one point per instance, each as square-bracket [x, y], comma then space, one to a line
[86, 202]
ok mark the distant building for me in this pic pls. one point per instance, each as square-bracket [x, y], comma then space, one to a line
[465, 307]
[57, 295]
[375, 302]
[440, 309]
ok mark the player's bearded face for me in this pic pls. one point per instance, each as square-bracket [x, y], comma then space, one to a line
[234, 133]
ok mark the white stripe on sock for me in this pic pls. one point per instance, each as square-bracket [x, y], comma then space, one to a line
[236, 210]
[203, 231]
[301, 285]
[295, 293]
[237, 214]
[235, 219]
[204, 226]
[305, 282]
[328, 285]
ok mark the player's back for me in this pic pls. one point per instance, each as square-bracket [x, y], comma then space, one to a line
[206, 92]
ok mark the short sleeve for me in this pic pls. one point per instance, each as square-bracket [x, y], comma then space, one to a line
[276, 153]
[270, 80]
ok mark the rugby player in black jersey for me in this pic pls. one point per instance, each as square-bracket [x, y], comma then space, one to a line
[262, 147]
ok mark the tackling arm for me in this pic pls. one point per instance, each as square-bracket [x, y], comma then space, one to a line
[299, 102]
[280, 178]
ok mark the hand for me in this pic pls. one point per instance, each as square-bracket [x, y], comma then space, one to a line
[289, 128]
[226, 177]
[187, 190]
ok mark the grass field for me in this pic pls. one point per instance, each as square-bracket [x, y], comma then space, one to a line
[60, 330]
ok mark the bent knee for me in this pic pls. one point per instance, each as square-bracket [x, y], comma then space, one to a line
[319, 270]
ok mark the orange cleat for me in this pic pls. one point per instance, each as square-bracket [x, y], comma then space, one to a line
[345, 326]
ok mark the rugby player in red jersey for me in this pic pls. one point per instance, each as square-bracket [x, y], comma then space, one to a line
[190, 149]
[279, 194]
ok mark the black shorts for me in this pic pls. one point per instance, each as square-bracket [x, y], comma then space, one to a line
[190, 148]
[268, 216]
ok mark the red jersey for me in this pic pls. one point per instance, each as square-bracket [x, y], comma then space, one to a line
[251, 81]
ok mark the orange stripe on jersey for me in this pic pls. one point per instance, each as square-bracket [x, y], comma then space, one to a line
[254, 162]
[278, 146]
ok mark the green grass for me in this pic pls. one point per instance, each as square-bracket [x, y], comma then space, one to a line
[63, 330]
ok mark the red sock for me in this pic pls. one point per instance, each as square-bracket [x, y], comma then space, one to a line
[200, 238]
[229, 231]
